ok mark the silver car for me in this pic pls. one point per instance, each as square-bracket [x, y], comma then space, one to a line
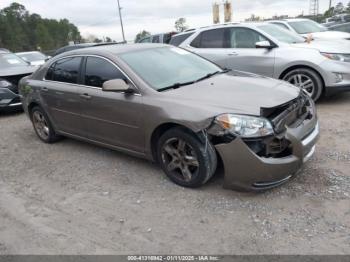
[319, 67]
[306, 27]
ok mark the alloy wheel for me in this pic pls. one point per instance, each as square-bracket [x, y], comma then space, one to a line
[41, 125]
[303, 81]
[180, 159]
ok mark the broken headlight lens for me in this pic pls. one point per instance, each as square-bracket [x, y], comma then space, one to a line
[245, 126]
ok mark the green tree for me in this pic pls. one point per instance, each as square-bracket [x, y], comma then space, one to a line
[180, 24]
[141, 35]
[21, 31]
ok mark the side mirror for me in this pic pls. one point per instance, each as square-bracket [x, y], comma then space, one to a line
[116, 85]
[263, 44]
[48, 58]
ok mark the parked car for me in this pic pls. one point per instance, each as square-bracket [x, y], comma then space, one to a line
[340, 27]
[79, 46]
[35, 58]
[12, 69]
[341, 18]
[319, 67]
[183, 112]
[307, 27]
[158, 38]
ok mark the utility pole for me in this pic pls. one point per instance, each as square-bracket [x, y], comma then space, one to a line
[314, 8]
[121, 20]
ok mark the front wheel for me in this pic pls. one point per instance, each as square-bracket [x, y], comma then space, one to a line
[308, 80]
[185, 159]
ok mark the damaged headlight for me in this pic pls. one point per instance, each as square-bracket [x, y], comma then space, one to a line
[4, 83]
[245, 126]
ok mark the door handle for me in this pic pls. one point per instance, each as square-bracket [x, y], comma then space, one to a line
[233, 54]
[45, 89]
[85, 96]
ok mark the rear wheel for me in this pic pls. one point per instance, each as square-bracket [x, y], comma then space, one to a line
[185, 159]
[42, 126]
[308, 80]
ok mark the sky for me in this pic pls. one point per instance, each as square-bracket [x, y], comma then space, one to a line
[101, 19]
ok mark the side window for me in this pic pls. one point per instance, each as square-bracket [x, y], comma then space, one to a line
[177, 40]
[49, 73]
[210, 39]
[244, 38]
[155, 39]
[66, 70]
[99, 70]
[281, 25]
[146, 40]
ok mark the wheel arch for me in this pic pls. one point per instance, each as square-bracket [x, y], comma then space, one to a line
[159, 131]
[293, 67]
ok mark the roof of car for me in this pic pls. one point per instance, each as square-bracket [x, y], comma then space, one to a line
[115, 48]
[29, 52]
[204, 28]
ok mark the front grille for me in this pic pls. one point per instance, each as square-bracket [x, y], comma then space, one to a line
[291, 114]
[14, 80]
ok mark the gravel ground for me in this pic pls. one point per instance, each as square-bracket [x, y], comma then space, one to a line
[76, 198]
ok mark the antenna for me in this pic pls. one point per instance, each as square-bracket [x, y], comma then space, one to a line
[314, 7]
[121, 21]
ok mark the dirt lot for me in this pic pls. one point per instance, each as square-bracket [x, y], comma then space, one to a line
[75, 198]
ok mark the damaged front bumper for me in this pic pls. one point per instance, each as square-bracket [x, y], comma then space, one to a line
[245, 170]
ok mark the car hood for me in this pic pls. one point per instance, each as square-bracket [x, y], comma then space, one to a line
[235, 93]
[327, 46]
[19, 70]
[329, 35]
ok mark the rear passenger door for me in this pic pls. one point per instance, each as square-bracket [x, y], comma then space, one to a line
[60, 97]
[111, 118]
[211, 45]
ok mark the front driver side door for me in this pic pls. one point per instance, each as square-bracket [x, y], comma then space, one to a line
[111, 118]
[243, 55]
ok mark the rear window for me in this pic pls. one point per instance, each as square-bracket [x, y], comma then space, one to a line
[177, 40]
[210, 39]
[65, 70]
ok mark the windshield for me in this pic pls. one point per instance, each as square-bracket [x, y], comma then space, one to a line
[10, 60]
[307, 27]
[281, 34]
[31, 57]
[166, 66]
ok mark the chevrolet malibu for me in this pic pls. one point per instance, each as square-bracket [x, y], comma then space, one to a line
[175, 108]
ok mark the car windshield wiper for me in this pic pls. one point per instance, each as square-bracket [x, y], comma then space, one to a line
[212, 74]
[178, 85]
[175, 86]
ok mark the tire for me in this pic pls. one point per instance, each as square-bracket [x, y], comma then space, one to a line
[179, 152]
[307, 79]
[42, 126]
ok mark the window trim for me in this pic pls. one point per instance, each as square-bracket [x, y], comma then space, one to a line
[82, 65]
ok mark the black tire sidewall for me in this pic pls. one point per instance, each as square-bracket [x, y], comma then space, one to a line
[52, 134]
[205, 153]
[318, 83]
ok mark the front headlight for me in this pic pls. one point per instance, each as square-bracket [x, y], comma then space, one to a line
[4, 83]
[245, 126]
[337, 57]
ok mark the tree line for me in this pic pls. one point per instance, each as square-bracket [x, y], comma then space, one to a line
[22, 31]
